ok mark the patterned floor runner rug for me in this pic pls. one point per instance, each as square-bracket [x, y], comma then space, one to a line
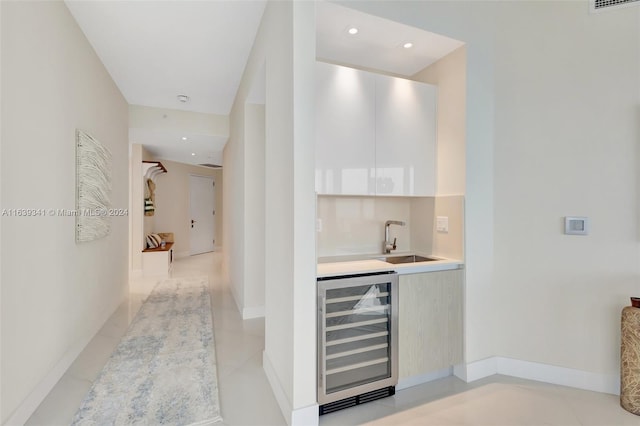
[163, 371]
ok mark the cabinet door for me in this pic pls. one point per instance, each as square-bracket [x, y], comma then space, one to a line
[430, 322]
[405, 137]
[345, 126]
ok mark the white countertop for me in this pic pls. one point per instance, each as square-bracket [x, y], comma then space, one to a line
[348, 265]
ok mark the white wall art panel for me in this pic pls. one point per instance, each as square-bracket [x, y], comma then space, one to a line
[93, 188]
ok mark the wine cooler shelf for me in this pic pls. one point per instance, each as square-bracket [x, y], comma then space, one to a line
[357, 335]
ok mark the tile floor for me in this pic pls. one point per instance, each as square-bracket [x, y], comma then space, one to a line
[246, 398]
[496, 400]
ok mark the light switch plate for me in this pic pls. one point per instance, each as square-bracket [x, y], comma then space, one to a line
[576, 225]
[442, 224]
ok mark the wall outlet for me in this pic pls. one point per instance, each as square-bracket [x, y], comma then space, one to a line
[442, 224]
[318, 225]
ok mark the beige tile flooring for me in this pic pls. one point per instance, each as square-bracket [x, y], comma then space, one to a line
[496, 400]
[246, 398]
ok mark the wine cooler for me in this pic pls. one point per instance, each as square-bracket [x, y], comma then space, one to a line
[357, 339]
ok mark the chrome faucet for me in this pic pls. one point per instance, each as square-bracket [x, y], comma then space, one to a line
[387, 246]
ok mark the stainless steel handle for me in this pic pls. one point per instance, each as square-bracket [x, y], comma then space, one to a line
[323, 348]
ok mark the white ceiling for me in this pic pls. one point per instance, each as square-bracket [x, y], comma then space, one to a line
[379, 42]
[155, 50]
[168, 144]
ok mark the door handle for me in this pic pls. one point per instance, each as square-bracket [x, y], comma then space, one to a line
[192, 222]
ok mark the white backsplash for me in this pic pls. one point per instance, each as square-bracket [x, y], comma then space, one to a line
[355, 225]
[422, 219]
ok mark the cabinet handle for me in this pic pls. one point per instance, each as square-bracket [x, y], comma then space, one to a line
[323, 346]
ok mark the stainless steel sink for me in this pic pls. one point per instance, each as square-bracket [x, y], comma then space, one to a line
[407, 259]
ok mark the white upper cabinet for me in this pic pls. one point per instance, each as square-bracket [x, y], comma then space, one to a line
[345, 131]
[375, 135]
[405, 137]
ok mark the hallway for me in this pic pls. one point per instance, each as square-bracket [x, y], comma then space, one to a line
[246, 398]
[245, 395]
[238, 343]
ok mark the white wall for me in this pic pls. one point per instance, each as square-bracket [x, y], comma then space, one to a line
[254, 202]
[285, 43]
[173, 120]
[233, 201]
[56, 293]
[244, 174]
[139, 224]
[449, 244]
[148, 221]
[1, 202]
[566, 144]
[173, 214]
[449, 74]
[551, 130]
[302, 202]
[136, 210]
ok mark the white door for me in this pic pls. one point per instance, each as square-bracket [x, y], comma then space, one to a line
[202, 208]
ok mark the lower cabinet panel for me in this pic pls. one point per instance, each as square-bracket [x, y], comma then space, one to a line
[430, 322]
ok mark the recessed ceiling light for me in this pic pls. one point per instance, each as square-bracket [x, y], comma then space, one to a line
[193, 153]
[184, 138]
[408, 45]
[353, 31]
[183, 98]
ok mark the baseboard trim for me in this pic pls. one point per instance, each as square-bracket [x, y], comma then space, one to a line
[35, 398]
[460, 371]
[276, 388]
[31, 403]
[479, 369]
[247, 312]
[597, 382]
[306, 416]
[252, 312]
[580, 379]
[235, 299]
[424, 378]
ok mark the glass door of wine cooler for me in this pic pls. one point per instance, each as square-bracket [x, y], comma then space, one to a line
[357, 336]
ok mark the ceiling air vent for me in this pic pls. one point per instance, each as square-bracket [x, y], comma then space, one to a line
[598, 5]
[213, 166]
